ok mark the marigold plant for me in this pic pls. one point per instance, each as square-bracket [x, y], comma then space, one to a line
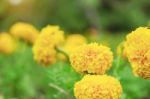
[137, 48]
[98, 87]
[24, 31]
[92, 58]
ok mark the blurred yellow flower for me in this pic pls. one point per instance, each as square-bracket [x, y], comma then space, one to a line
[72, 42]
[98, 87]
[44, 48]
[52, 34]
[24, 31]
[137, 48]
[92, 58]
[7, 43]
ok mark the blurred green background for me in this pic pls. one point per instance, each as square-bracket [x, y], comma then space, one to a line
[77, 15]
[22, 78]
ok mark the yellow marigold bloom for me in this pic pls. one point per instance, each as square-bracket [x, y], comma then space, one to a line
[137, 48]
[24, 31]
[74, 41]
[92, 58]
[44, 47]
[98, 87]
[53, 34]
[7, 43]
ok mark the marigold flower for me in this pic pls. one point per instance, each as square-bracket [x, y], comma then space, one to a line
[7, 43]
[98, 87]
[44, 47]
[74, 41]
[52, 34]
[137, 48]
[92, 58]
[24, 31]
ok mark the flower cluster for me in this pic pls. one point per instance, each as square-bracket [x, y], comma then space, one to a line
[44, 47]
[7, 43]
[98, 87]
[95, 59]
[92, 58]
[137, 48]
[24, 31]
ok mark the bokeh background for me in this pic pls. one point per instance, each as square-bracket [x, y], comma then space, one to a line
[103, 21]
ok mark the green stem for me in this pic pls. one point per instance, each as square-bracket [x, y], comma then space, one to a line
[117, 67]
[58, 88]
[61, 50]
[61, 90]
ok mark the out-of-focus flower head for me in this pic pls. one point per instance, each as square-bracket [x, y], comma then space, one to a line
[137, 48]
[7, 43]
[98, 87]
[72, 42]
[92, 58]
[44, 47]
[25, 32]
[52, 34]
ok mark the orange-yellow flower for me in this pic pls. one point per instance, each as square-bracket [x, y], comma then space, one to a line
[98, 87]
[25, 32]
[92, 58]
[137, 48]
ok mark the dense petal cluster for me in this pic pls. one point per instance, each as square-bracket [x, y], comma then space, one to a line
[92, 58]
[44, 47]
[7, 43]
[98, 87]
[24, 31]
[137, 48]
